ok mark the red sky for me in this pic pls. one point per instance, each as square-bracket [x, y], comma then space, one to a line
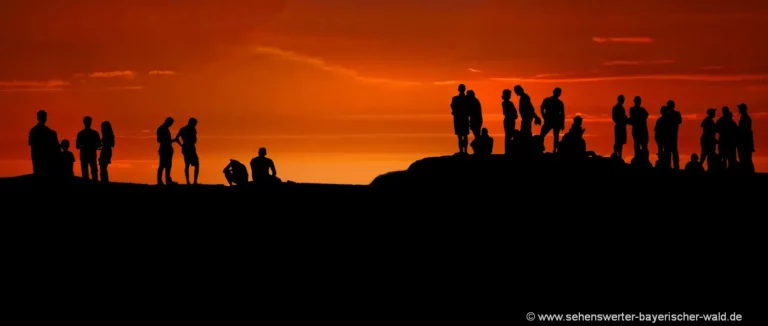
[343, 90]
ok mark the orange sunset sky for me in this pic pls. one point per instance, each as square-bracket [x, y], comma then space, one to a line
[343, 90]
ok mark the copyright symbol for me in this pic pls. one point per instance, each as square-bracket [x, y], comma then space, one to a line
[530, 316]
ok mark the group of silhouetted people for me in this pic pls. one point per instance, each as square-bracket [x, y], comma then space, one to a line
[262, 170]
[53, 159]
[467, 116]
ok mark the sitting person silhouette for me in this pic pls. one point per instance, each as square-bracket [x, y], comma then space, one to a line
[236, 173]
[694, 165]
[67, 160]
[483, 145]
[573, 143]
[263, 169]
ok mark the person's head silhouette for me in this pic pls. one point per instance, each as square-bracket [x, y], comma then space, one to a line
[671, 105]
[471, 93]
[556, 92]
[65, 144]
[620, 99]
[638, 101]
[168, 122]
[506, 94]
[87, 122]
[711, 112]
[106, 126]
[462, 88]
[726, 110]
[192, 122]
[518, 90]
[694, 158]
[664, 110]
[42, 116]
[577, 121]
[262, 152]
[484, 132]
[742, 108]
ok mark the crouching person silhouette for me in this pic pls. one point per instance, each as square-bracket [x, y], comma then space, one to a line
[263, 169]
[236, 173]
[483, 144]
[573, 144]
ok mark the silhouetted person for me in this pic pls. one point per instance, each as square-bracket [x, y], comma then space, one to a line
[475, 111]
[66, 160]
[553, 112]
[620, 119]
[694, 165]
[165, 152]
[527, 112]
[460, 112]
[483, 145]
[675, 120]
[746, 142]
[708, 139]
[107, 144]
[88, 142]
[188, 136]
[510, 118]
[236, 173]
[573, 141]
[729, 135]
[263, 169]
[661, 135]
[44, 145]
[638, 118]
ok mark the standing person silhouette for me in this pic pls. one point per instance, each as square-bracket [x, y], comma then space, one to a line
[263, 169]
[475, 111]
[553, 112]
[107, 143]
[728, 130]
[165, 152]
[746, 142]
[88, 142]
[675, 120]
[510, 118]
[638, 118]
[661, 135]
[188, 136]
[527, 112]
[460, 112]
[620, 119]
[708, 139]
[44, 146]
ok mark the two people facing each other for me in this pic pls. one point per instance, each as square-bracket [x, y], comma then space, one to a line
[262, 169]
[186, 137]
[666, 131]
[49, 157]
[724, 139]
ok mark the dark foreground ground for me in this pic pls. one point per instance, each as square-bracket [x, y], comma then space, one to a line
[452, 240]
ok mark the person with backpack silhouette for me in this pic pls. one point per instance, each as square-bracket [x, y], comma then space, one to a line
[88, 142]
[527, 112]
[638, 118]
[673, 125]
[553, 112]
[236, 173]
[460, 112]
[729, 135]
[44, 145]
[165, 152]
[709, 139]
[620, 119]
[187, 138]
[107, 143]
[475, 111]
[510, 119]
[746, 141]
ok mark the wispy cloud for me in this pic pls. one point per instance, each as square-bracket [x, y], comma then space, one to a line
[691, 77]
[110, 74]
[712, 68]
[546, 75]
[162, 73]
[321, 64]
[47, 89]
[446, 82]
[622, 63]
[636, 39]
[32, 85]
[473, 70]
[124, 88]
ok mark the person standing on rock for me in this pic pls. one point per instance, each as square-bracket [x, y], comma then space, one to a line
[460, 112]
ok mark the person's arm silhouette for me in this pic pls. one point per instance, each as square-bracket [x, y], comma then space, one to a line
[178, 137]
[79, 140]
[272, 168]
